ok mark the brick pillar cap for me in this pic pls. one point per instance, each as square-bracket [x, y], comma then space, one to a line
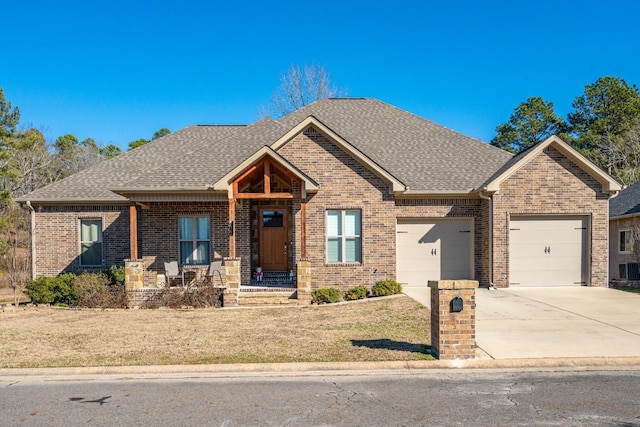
[453, 284]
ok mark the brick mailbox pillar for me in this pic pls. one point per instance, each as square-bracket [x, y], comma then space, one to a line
[304, 281]
[453, 319]
[232, 280]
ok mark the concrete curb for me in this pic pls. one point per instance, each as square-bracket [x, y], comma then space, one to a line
[325, 368]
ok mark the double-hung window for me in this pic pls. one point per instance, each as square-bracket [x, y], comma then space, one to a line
[625, 241]
[194, 239]
[344, 239]
[91, 242]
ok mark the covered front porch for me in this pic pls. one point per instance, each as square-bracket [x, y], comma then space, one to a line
[258, 232]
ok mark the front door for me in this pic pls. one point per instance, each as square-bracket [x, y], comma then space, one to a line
[274, 232]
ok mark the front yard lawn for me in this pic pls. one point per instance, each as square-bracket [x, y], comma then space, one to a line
[394, 328]
[632, 289]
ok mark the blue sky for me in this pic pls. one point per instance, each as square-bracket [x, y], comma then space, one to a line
[117, 71]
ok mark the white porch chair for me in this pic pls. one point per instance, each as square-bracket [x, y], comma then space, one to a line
[172, 271]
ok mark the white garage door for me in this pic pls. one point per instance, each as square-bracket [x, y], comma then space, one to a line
[433, 249]
[548, 251]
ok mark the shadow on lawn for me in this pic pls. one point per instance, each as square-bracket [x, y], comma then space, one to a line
[392, 345]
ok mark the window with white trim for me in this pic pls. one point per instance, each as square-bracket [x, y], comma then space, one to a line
[625, 240]
[344, 239]
[194, 237]
[91, 242]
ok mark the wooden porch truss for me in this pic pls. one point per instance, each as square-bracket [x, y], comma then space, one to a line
[268, 175]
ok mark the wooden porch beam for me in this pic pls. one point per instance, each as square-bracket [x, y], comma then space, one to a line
[264, 196]
[246, 173]
[133, 231]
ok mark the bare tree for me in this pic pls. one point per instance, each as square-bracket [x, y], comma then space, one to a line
[14, 247]
[301, 86]
[626, 157]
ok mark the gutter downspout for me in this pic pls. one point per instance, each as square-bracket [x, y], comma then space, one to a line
[490, 199]
[32, 235]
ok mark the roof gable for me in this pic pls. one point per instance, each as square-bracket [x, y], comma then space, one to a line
[396, 184]
[609, 185]
[224, 183]
[426, 157]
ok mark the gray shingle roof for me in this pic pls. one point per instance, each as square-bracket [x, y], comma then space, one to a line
[627, 202]
[423, 155]
[93, 184]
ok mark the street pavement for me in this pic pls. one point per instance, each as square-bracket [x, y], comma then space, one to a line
[550, 323]
[420, 398]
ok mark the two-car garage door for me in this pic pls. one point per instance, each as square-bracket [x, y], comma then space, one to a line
[433, 249]
[548, 251]
[543, 250]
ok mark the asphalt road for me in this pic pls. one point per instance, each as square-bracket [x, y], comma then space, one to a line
[443, 398]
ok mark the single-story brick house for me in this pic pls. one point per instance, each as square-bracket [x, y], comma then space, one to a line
[336, 194]
[624, 219]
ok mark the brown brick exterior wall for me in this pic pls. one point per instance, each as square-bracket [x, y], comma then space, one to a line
[57, 237]
[345, 183]
[158, 232]
[551, 184]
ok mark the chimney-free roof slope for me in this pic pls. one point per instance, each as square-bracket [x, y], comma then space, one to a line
[426, 157]
[627, 202]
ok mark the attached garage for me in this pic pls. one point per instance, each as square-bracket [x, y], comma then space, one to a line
[548, 250]
[433, 249]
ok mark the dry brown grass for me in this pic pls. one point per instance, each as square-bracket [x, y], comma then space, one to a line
[373, 330]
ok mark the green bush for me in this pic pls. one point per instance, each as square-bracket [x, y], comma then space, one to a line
[115, 275]
[386, 287]
[359, 292]
[52, 290]
[64, 291]
[40, 290]
[326, 296]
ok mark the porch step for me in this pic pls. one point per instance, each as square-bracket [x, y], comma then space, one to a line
[251, 298]
[278, 279]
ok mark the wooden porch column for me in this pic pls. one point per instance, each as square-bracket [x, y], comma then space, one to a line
[133, 231]
[232, 228]
[303, 227]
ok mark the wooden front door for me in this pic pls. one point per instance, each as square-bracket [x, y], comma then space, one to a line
[274, 244]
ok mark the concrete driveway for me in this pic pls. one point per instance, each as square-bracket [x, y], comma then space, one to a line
[560, 322]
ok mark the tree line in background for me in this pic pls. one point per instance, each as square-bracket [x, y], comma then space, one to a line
[604, 126]
[28, 162]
